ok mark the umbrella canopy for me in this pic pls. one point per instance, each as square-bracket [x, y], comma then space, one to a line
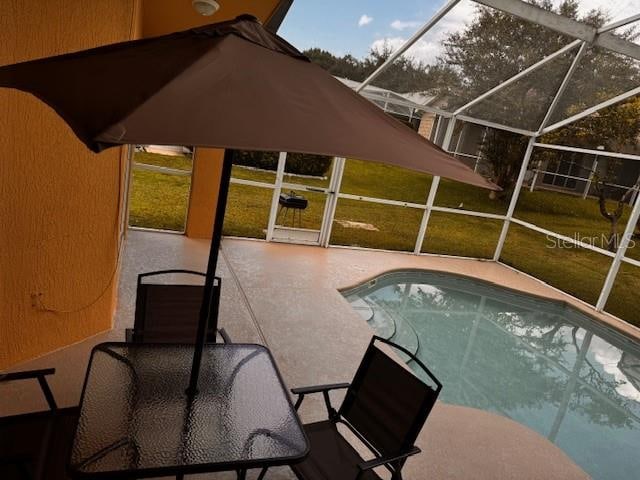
[230, 85]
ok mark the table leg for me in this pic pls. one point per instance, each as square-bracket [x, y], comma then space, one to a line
[263, 472]
[242, 474]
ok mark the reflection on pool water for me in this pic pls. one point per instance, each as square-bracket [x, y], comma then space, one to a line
[542, 364]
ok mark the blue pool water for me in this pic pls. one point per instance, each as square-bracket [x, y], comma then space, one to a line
[542, 364]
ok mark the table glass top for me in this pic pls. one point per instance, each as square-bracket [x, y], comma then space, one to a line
[136, 416]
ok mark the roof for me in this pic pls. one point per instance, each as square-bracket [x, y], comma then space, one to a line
[403, 104]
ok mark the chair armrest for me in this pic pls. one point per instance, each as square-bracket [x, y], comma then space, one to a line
[224, 335]
[325, 389]
[8, 377]
[40, 375]
[378, 462]
[319, 388]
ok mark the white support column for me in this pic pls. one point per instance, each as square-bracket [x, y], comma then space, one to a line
[437, 131]
[600, 151]
[587, 186]
[416, 36]
[622, 249]
[497, 126]
[432, 191]
[334, 190]
[459, 141]
[514, 198]
[276, 195]
[479, 152]
[534, 180]
[634, 195]
[563, 86]
[448, 134]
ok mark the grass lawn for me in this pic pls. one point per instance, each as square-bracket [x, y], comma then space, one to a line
[159, 201]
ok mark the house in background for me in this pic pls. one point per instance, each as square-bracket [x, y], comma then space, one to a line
[409, 109]
[572, 172]
[398, 105]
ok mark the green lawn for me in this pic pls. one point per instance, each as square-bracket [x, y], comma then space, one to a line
[160, 201]
[171, 161]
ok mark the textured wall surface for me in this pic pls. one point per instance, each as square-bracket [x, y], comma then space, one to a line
[60, 203]
[426, 124]
[205, 182]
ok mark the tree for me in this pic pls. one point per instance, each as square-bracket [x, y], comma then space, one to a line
[505, 151]
[611, 128]
[604, 191]
[405, 75]
[346, 66]
[614, 127]
[495, 46]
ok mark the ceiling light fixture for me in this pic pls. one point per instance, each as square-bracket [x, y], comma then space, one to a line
[205, 7]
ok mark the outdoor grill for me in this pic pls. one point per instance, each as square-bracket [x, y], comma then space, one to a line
[296, 202]
[291, 200]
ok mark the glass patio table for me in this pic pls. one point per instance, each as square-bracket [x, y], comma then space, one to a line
[136, 420]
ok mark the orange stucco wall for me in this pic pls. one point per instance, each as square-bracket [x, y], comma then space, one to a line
[205, 183]
[61, 208]
[60, 203]
[165, 16]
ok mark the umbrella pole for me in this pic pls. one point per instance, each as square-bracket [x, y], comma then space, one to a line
[206, 309]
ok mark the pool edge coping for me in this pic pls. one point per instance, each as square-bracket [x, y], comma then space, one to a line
[618, 324]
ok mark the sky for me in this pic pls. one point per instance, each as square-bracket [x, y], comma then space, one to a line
[357, 26]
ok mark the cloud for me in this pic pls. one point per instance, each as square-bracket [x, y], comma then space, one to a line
[365, 20]
[429, 46]
[421, 50]
[617, 10]
[402, 25]
[609, 357]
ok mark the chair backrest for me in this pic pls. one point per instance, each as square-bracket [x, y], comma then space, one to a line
[386, 403]
[168, 313]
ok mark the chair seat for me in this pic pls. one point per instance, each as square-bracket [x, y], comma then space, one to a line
[37, 445]
[331, 457]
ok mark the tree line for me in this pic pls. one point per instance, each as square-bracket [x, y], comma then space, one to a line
[493, 47]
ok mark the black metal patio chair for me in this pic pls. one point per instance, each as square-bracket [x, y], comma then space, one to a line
[385, 407]
[37, 445]
[168, 313]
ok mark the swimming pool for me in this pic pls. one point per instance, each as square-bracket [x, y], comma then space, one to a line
[538, 362]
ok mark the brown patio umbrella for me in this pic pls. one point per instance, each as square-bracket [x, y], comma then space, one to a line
[231, 85]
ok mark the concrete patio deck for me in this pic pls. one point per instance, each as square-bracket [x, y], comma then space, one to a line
[286, 297]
